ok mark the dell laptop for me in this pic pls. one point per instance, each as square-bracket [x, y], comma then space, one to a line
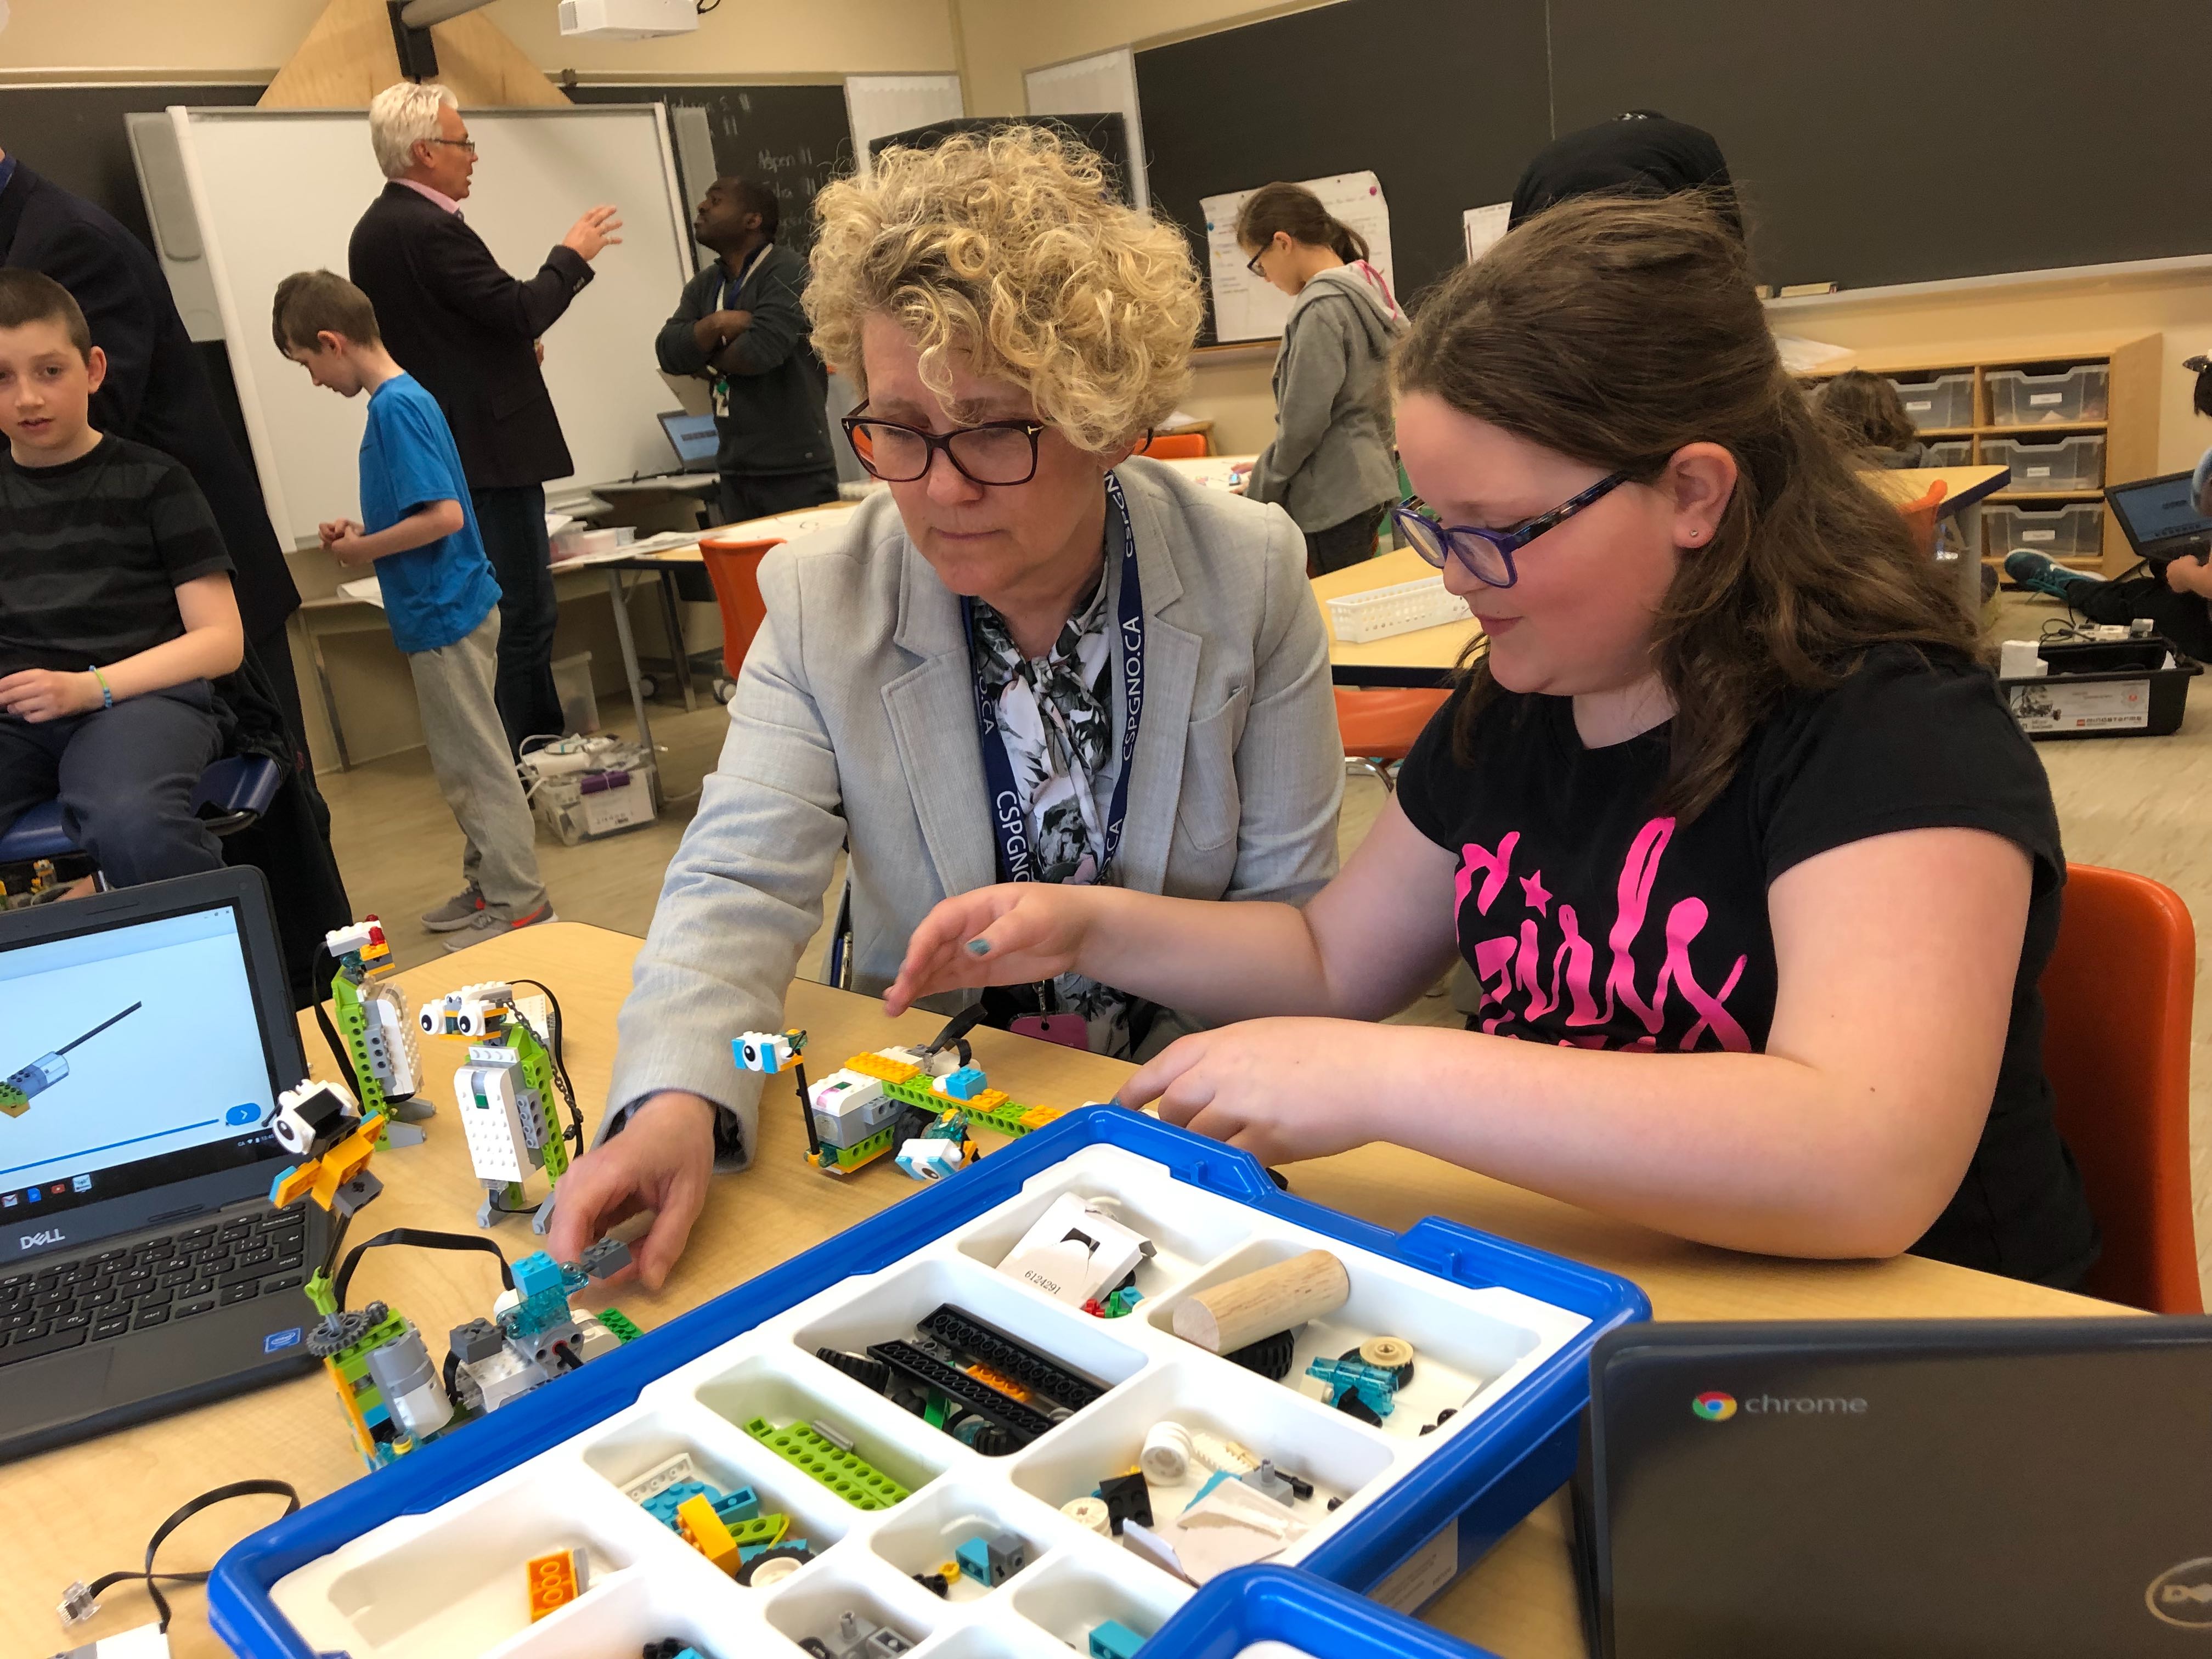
[2161, 518]
[1944, 1489]
[143, 1037]
[692, 438]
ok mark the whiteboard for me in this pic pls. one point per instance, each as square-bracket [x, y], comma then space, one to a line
[1088, 86]
[1249, 308]
[280, 190]
[877, 106]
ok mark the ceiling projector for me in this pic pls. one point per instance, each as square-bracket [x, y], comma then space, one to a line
[628, 20]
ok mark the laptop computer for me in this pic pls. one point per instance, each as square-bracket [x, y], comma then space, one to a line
[2161, 518]
[143, 1037]
[694, 439]
[1936, 1488]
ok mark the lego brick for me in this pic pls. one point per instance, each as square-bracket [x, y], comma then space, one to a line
[702, 1529]
[616, 1321]
[965, 1084]
[1010, 1356]
[975, 1393]
[1112, 1640]
[883, 1068]
[555, 1580]
[845, 1473]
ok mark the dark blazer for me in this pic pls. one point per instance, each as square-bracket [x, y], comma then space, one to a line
[467, 331]
[777, 421]
[157, 392]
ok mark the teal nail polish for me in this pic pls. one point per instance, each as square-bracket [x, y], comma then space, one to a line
[977, 947]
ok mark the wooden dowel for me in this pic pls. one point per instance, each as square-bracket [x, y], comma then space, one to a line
[1237, 1311]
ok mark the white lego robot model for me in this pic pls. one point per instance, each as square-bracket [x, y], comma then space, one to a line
[505, 1096]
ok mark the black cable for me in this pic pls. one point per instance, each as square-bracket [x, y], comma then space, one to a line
[421, 1238]
[551, 1038]
[206, 1500]
[338, 1049]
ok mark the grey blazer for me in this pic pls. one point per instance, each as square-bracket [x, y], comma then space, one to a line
[855, 718]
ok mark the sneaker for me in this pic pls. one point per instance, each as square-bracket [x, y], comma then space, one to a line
[460, 911]
[2039, 573]
[487, 925]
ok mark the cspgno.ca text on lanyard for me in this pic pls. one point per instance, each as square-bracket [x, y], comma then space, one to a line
[1016, 861]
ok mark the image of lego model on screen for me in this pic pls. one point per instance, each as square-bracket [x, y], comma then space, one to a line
[121, 1053]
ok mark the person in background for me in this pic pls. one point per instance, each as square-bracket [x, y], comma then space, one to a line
[468, 333]
[1867, 418]
[157, 393]
[1031, 654]
[1641, 152]
[739, 326]
[115, 608]
[1331, 464]
[1757, 871]
[439, 596]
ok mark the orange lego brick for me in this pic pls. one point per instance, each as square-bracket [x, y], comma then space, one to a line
[555, 1580]
[883, 1068]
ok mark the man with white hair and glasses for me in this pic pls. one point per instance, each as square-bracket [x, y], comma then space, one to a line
[468, 332]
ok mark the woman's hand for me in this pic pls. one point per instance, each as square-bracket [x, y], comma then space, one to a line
[660, 1161]
[1016, 934]
[1281, 1090]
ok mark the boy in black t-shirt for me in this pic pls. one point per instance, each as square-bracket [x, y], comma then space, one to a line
[116, 608]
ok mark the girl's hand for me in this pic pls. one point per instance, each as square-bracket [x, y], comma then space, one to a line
[38, 694]
[1016, 934]
[1281, 1090]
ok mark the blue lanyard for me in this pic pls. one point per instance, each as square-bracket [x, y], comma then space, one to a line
[731, 286]
[1008, 823]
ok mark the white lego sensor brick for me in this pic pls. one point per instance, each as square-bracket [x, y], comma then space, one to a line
[491, 1116]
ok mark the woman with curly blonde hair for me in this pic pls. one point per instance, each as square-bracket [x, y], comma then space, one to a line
[1032, 657]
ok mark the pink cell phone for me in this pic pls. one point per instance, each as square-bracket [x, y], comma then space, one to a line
[1068, 1029]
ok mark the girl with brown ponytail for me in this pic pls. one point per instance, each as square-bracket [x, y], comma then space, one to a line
[1330, 464]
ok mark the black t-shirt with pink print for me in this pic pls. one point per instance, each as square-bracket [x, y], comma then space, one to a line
[1596, 920]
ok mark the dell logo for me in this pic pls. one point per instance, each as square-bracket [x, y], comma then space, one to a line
[40, 1241]
[2182, 1595]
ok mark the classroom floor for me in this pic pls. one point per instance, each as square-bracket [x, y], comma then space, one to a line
[2137, 804]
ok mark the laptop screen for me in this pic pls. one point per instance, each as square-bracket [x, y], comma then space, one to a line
[130, 1057]
[694, 439]
[2159, 510]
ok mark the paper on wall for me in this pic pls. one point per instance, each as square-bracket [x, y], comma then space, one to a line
[1245, 307]
[1484, 226]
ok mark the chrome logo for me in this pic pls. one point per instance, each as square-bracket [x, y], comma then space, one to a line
[1714, 1407]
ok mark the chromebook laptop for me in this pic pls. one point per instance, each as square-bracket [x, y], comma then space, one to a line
[1943, 1488]
[694, 440]
[143, 1037]
[2161, 518]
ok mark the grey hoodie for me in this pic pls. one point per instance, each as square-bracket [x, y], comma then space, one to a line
[1331, 459]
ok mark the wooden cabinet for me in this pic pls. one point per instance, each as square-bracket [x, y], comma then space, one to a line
[2129, 426]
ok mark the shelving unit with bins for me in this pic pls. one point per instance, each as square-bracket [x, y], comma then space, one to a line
[2129, 427]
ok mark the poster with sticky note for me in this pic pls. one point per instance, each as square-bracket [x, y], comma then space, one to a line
[1246, 307]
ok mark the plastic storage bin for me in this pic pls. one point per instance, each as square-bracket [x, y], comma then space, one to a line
[1401, 608]
[425, 1559]
[2017, 398]
[614, 794]
[2050, 464]
[2076, 531]
[2118, 689]
[1953, 452]
[1241, 1609]
[1938, 400]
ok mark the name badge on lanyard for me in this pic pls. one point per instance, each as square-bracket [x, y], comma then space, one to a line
[1009, 823]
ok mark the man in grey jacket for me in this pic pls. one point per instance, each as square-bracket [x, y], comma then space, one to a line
[1030, 654]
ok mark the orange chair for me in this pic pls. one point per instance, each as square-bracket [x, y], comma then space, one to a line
[1380, 726]
[1920, 516]
[2117, 997]
[734, 566]
[1174, 446]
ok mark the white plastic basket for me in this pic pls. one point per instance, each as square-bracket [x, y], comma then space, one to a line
[615, 795]
[1401, 608]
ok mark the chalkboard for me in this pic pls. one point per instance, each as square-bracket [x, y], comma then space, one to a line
[1445, 100]
[74, 135]
[794, 138]
[1105, 135]
[1895, 141]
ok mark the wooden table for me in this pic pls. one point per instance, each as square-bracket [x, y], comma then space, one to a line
[1424, 657]
[85, 1510]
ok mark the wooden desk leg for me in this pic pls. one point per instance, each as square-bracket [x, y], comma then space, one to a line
[330, 702]
[630, 672]
[671, 618]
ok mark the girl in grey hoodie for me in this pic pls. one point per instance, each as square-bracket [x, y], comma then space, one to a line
[1332, 463]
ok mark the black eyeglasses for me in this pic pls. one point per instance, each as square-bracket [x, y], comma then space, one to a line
[1252, 264]
[994, 452]
[1487, 555]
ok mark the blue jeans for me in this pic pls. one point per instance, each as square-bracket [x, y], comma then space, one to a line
[512, 521]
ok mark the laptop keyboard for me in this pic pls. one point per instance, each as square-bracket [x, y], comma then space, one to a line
[174, 1276]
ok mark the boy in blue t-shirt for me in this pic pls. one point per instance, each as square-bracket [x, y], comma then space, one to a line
[440, 595]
